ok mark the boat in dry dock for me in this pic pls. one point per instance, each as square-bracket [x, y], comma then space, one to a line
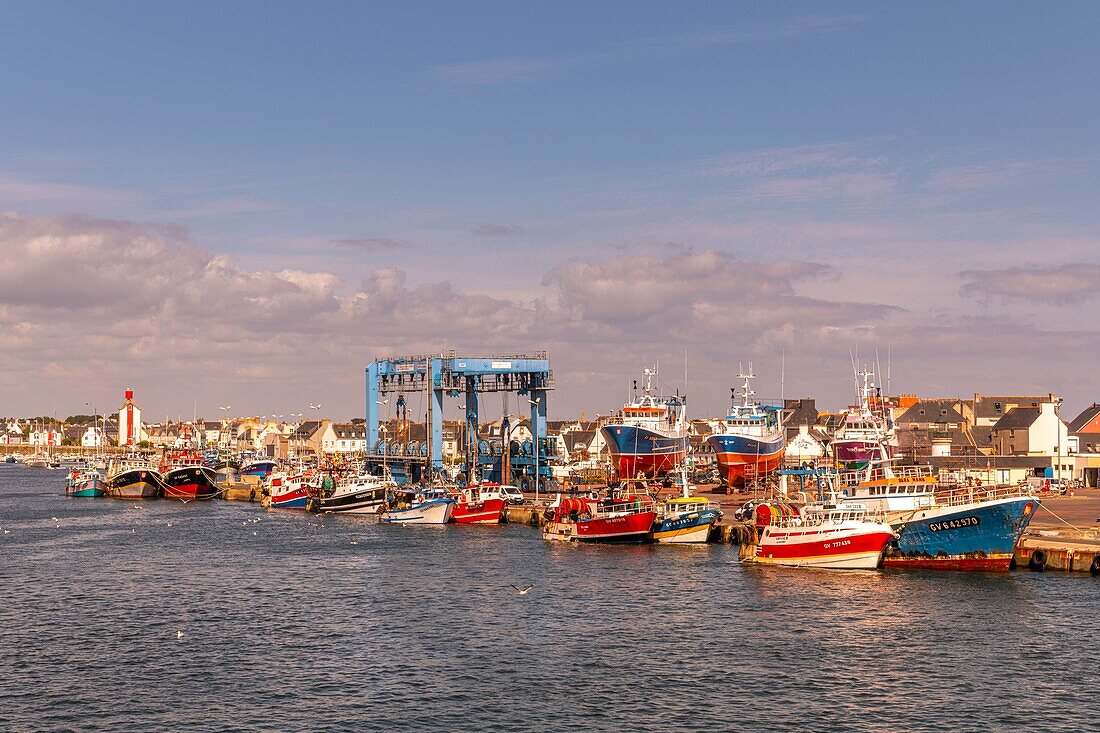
[836, 536]
[583, 519]
[867, 428]
[649, 436]
[751, 441]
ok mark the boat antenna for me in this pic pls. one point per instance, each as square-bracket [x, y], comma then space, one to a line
[783, 377]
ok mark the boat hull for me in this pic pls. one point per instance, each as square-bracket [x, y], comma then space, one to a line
[294, 498]
[135, 484]
[368, 501]
[851, 450]
[624, 529]
[742, 457]
[637, 451]
[436, 511]
[87, 488]
[486, 511]
[189, 483]
[841, 551]
[692, 528]
[981, 536]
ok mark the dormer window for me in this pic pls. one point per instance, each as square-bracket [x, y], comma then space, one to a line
[997, 407]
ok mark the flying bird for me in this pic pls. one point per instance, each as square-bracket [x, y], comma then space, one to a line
[522, 591]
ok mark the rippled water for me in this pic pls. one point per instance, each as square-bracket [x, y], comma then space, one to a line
[295, 622]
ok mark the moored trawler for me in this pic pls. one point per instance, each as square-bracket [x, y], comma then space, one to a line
[649, 437]
[970, 528]
[429, 506]
[185, 477]
[86, 482]
[835, 536]
[751, 441]
[583, 519]
[479, 504]
[363, 494]
[133, 478]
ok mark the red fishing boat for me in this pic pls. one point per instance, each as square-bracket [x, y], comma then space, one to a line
[582, 519]
[823, 536]
[185, 477]
[479, 504]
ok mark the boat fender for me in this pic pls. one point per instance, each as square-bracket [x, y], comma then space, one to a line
[1038, 560]
[1094, 569]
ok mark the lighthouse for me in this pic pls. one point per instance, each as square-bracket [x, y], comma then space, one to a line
[129, 421]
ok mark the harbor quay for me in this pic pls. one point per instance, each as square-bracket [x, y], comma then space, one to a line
[889, 481]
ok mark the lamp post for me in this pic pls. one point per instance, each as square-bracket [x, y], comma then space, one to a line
[535, 435]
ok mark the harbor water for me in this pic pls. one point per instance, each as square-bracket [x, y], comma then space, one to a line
[221, 616]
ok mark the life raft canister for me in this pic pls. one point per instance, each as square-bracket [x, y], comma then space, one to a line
[763, 515]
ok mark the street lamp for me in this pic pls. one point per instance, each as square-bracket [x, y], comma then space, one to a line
[385, 454]
[535, 435]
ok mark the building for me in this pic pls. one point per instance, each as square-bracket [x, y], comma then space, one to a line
[348, 438]
[93, 437]
[129, 421]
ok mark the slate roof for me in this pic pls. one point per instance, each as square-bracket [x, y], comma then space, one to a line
[932, 411]
[1084, 418]
[986, 405]
[1017, 418]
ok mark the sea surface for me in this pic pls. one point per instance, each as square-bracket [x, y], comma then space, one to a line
[295, 622]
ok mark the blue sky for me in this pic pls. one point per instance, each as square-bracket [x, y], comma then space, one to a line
[940, 159]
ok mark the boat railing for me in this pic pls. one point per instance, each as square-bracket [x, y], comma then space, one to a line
[884, 473]
[971, 494]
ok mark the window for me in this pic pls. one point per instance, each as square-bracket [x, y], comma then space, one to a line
[997, 407]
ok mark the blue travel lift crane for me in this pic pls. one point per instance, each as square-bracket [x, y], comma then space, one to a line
[527, 375]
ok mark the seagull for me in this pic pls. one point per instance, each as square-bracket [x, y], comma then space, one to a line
[179, 634]
[169, 524]
[354, 542]
[56, 519]
[253, 534]
[522, 591]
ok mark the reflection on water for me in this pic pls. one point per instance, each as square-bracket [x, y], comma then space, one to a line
[295, 622]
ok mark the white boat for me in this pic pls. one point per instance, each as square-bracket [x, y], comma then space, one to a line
[824, 536]
[433, 507]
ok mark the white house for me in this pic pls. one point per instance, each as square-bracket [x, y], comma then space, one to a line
[93, 437]
[804, 447]
[348, 438]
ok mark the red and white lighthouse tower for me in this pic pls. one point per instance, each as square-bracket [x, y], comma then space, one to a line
[129, 421]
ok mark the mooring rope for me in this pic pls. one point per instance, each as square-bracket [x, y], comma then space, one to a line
[1063, 521]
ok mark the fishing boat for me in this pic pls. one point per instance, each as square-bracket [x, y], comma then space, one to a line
[751, 442]
[479, 504]
[649, 436]
[361, 494]
[583, 519]
[866, 429]
[186, 477]
[432, 506]
[836, 536]
[260, 467]
[38, 460]
[685, 519]
[133, 477]
[288, 490]
[86, 482]
[968, 528]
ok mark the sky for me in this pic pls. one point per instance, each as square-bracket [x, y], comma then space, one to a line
[244, 203]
